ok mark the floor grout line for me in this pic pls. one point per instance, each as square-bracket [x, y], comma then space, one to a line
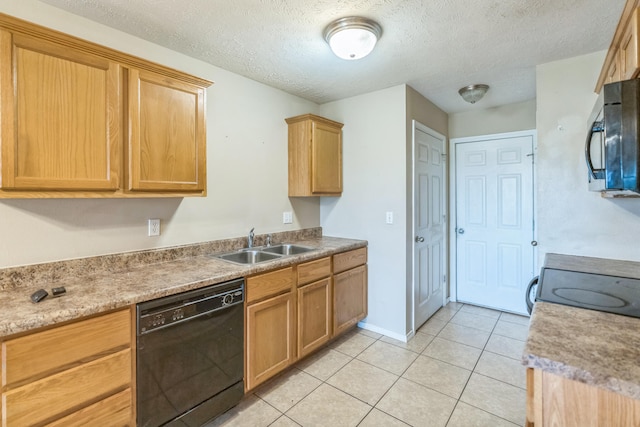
[358, 351]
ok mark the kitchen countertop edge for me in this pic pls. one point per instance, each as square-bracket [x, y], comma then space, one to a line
[593, 348]
[90, 295]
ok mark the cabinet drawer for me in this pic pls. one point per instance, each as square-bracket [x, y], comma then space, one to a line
[114, 411]
[314, 270]
[268, 284]
[347, 260]
[35, 402]
[60, 348]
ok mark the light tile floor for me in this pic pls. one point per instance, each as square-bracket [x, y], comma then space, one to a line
[462, 368]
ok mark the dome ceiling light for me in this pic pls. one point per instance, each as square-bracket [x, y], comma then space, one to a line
[473, 93]
[352, 37]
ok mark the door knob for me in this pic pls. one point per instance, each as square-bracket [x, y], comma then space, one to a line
[461, 230]
[534, 243]
[419, 239]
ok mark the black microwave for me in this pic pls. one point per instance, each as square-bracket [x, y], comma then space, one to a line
[612, 149]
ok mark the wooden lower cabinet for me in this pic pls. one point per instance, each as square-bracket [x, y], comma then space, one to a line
[70, 374]
[314, 316]
[557, 401]
[270, 346]
[349, 289]
[270, 325]
[349, 298]
[292, 312]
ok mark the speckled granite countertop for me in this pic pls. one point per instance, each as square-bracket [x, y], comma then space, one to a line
[596, 348]
[99, 284]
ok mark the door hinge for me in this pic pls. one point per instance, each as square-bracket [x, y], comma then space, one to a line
[444, 278]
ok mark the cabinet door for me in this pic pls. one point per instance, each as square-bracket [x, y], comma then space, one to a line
[166, 134]
[559, 401]
[314, 316]
[61, 117]
[326, 159]
[628, 52]
[613, 72]
[349, 298]
[270, 331]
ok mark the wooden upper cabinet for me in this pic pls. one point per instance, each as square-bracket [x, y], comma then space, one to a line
[623, 58]
[315, 156]
[628, 50]
[61, 117]
[613, 73]
[166, 134]
[81, 120]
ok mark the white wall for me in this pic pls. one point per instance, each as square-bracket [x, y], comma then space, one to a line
[377, 165]
[572, 220]
[489, 121]
[374, 144]
[246, 168]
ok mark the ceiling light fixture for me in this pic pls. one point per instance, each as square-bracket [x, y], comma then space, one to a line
[473, 93]
[352, 37]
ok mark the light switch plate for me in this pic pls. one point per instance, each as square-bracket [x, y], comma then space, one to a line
[154, 227]
[389, 217]
[287, 217]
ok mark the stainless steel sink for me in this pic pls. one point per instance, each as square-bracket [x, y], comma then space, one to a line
[287, 249]
[263, 253]
[248, 256]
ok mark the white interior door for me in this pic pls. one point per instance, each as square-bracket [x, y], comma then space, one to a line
[494, 221]
[429, 223]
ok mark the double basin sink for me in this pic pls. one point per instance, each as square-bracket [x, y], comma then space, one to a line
[263, 253]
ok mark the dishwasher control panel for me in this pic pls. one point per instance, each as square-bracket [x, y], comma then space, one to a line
[164, 312]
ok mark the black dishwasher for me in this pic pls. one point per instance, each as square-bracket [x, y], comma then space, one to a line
[189, 361]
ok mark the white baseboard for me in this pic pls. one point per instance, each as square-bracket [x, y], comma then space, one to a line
[385, 332]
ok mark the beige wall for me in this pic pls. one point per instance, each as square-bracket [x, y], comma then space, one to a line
[506, 118]
[247, 169]
[571, 219]
[425, 112]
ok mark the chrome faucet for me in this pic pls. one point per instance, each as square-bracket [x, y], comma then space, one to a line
[251, 235]
[268, 240]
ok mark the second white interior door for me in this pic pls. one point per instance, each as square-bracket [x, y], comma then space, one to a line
[494, 221]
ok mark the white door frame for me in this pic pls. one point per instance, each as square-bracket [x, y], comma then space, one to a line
[453, 280]
[426, 129]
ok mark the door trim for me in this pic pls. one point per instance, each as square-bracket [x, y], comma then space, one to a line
[445, 259]
[453, 280]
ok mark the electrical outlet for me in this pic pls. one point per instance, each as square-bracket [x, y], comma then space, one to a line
[154, 227]
[389, 217]
[287, 217]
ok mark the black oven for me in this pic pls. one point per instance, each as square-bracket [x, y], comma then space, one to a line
[190, 356]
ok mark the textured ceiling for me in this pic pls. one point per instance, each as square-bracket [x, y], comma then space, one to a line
[435, 46]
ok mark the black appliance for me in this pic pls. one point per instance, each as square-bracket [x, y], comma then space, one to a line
[612, 149]
[611, 294]
[189, 357]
